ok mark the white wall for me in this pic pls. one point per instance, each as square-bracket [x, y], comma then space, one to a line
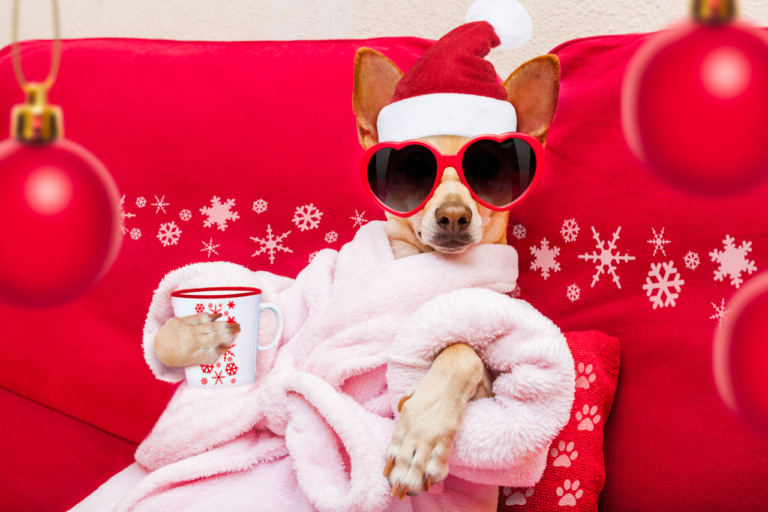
[555, 21]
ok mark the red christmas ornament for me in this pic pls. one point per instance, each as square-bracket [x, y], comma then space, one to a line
[61, 229]
[740, 355]
[694, 102]
[60, 207]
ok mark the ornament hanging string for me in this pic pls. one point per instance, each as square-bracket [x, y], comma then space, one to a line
[55, 57]
[36, 121]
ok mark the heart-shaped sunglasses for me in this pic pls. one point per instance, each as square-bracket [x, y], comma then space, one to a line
[499, 171]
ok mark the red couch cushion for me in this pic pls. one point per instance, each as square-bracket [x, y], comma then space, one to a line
[188, 128]
[575, 472]
[50, 461]
[671, 444]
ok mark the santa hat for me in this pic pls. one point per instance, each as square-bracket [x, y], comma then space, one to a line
[452, 89]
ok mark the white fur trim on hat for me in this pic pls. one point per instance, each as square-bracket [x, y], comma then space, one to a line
[509, 19]
[466, 115]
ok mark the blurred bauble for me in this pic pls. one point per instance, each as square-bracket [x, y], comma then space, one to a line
[740, 355]
[60, 226]
[695, 106]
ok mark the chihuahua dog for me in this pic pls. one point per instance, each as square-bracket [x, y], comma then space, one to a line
[450, 222]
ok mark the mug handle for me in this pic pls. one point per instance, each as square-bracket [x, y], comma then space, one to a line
[279, 332]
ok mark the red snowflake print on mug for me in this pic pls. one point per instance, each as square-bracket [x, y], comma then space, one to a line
[237, 366]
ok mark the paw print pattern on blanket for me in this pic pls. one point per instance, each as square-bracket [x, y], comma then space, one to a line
[563, 454]
[518, 497]
[568, 499]
[586, 377]
[587, 418]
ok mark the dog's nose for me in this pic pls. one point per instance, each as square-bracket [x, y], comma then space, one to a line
[453, 218]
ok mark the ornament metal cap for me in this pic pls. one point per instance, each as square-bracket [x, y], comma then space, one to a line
[36, 121]
[714, 12]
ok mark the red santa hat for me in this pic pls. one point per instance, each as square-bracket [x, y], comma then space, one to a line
[452, 89]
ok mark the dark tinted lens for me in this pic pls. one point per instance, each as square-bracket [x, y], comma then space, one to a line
[499, 172]
[402, 179]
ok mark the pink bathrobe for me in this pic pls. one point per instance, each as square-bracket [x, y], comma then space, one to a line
[361, 329]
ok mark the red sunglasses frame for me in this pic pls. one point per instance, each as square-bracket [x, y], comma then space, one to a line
[445, 161]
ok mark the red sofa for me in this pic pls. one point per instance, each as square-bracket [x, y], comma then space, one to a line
[273, 121]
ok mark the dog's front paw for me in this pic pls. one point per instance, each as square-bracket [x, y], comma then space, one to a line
[417, 456]
[194, 339]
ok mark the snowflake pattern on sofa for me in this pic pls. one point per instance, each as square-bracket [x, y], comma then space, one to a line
[307, 217]
[160, 204]
[663, 284]
[271, 244]
[519, 231]
[219, 213]
[658, 241]
[573, 293]
[260, 206]
[720, 313]
[124, 215]
[570, 230]
[606, 257]
[733, 261]
[169, 233]
[545, 258]
[691, 260]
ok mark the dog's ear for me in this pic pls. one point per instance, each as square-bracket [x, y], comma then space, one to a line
[375, 80]
[533, 89]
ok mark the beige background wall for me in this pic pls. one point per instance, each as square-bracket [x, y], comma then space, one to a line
[554, 21]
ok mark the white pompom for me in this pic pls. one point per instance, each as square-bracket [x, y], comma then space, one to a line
[509, 19]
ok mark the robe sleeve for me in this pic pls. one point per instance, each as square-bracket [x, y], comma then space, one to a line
[502, 440]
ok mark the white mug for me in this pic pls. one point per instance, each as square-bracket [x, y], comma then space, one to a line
[237, 366]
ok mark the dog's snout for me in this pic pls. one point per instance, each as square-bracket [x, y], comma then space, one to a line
[453, 218]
